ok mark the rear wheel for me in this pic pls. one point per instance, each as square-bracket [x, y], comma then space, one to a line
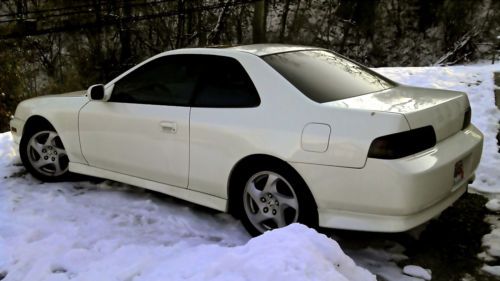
[43, 155]
[273, 198]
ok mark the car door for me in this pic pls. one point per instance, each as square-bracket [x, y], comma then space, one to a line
[143, 129]
[223, 118]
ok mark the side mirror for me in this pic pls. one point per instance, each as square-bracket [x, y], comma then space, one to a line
[96, 92]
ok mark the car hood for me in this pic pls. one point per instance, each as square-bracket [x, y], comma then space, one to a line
[51, 103]
[68, 95]
[71, 94]
[442, 109]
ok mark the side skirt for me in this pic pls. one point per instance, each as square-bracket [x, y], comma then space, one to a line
[196, 197]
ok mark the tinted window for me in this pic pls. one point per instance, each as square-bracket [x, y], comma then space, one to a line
[224, 83]
[324, 76]
[169, 80]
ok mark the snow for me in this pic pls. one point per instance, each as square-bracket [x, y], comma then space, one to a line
[494, 270]
[112, 231]
[417, 271]
[477, 82]
[493, 205]
[491, 241]
[382, 262]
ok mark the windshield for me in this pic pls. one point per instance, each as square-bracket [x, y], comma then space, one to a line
[324, 76]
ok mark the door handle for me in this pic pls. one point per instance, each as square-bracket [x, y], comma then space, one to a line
[169, 127]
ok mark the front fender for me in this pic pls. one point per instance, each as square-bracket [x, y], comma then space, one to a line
[61, 111]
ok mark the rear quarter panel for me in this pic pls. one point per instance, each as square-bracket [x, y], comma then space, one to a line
[220, 137]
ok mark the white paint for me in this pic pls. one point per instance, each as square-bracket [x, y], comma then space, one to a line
[315, 137]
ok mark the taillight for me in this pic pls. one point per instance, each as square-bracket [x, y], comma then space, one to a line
[402, 144]
[467, 117]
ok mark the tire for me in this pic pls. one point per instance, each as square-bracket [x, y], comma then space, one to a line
[42, 153]
[271, 197]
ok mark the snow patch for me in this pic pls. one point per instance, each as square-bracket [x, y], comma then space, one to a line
[494, 270]
[417, 271]
[491, 241]
[382, 262]
[291, 253]
[493, 205]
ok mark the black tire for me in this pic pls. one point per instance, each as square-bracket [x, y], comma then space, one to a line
[246, 207]
[53, 151]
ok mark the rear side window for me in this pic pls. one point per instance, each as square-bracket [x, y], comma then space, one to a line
[324, 76]
[224, 83]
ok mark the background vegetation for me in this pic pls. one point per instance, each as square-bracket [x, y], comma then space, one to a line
[49, 47]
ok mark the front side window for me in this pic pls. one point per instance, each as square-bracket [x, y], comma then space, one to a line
[324, 76]
[168, 80]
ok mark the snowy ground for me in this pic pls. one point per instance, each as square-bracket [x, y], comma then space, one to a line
[110, 231]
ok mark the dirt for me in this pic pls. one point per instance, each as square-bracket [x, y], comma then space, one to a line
[450, 244]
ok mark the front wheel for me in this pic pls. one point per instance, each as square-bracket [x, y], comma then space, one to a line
[43, 155]
[274, 198]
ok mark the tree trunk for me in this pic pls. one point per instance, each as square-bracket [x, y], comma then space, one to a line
[283, 20]
[295, 23]
[259, 22]
[214, 36]
[189, 22]
[96, 41]
[239, 25]
[180, 24]
[202, 36]
[125, 36]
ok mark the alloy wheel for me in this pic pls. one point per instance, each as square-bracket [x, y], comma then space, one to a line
[46, 154]
[270, 201]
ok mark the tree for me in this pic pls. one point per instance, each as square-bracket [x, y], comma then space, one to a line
[259, 22]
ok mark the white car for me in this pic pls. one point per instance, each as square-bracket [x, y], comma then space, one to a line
[273, 134]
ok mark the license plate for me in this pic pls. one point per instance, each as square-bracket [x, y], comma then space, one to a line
[458, 175]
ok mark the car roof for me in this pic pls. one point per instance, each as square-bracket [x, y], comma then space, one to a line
[268, 49]
[254, 49]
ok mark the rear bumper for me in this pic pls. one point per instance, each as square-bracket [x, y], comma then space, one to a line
[386, 223]
[394, 195]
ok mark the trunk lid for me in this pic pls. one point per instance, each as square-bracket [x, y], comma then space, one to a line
[443, 109]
